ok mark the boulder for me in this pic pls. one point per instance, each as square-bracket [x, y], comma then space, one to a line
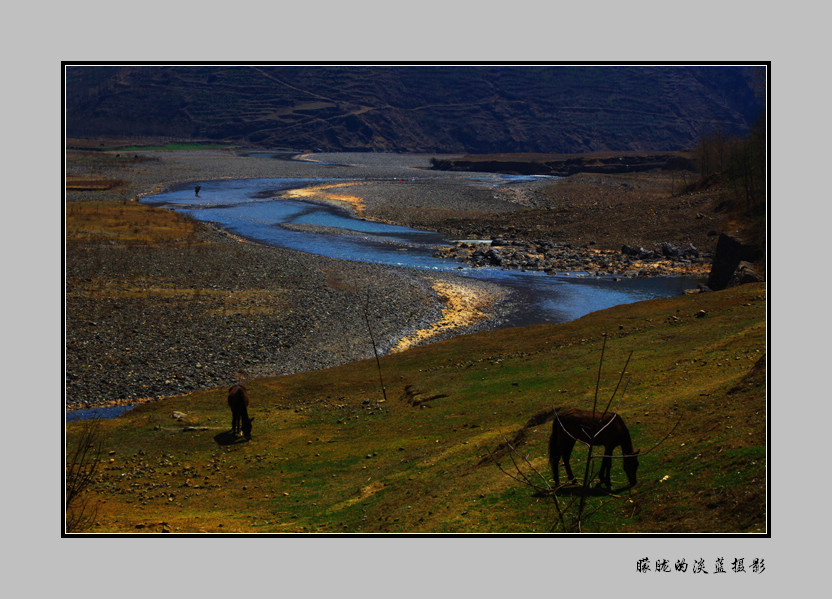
[671, 251]
[730, 251]
[690, 251]
[674, 253]
[494, 257]
[640, 253]
[745, 273]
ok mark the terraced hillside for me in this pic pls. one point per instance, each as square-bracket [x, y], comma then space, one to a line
[418, 109]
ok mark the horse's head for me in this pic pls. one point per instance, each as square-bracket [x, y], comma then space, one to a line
[630, 464]
[247, 428]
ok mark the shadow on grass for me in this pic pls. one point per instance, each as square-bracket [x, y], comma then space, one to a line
[228, 438]
[578, 490]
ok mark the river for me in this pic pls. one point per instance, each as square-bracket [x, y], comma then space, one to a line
[270, 211]
[278, 211]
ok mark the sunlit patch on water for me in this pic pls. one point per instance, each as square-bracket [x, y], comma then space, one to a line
[322, 192]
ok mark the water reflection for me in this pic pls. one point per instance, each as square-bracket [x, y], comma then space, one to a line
[90, 413]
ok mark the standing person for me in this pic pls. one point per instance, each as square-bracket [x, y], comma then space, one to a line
[196, 190]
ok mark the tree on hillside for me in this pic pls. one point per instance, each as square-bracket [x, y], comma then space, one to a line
[747, 171]
[740, 164]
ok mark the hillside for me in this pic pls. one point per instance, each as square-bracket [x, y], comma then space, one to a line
[330, 455]
[450, 109]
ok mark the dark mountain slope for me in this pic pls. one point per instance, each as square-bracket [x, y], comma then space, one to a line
[423, 108]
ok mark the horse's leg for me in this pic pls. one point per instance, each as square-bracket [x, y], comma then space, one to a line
[606, 466]
[604, 474]
[568, 444]
[554, 456]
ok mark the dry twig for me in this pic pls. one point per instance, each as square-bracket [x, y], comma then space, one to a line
[80, 473]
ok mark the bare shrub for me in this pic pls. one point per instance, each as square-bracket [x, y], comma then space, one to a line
[81, 466]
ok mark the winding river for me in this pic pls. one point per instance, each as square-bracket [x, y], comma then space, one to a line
[272, 211]
[280, 212]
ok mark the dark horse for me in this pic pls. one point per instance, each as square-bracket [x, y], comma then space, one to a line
[238, 402]
[608, 430]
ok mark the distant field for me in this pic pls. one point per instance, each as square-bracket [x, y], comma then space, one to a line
[172, 146]
[540, 157]
[126, 145]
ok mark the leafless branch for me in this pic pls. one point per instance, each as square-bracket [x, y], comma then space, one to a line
[642, 453]
[623, 370]
[375, 349]
[662, 440]
[80, 472]
[598, 378]
[521, 477]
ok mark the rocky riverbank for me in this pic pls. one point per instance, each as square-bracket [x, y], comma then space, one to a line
[553, 258]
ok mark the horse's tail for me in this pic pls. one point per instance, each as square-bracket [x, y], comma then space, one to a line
[554, 450]
[519, 437]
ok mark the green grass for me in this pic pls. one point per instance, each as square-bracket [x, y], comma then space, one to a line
[324, 460]
[173, 146]
[90, 149]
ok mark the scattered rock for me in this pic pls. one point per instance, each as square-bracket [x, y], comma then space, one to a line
[494, 257]
[547, 256]
[640, 253]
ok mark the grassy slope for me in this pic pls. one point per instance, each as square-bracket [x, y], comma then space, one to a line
[324, 460]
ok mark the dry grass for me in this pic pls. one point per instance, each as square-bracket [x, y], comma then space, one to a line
[320, 192]
[127, 223]
[78, 183]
